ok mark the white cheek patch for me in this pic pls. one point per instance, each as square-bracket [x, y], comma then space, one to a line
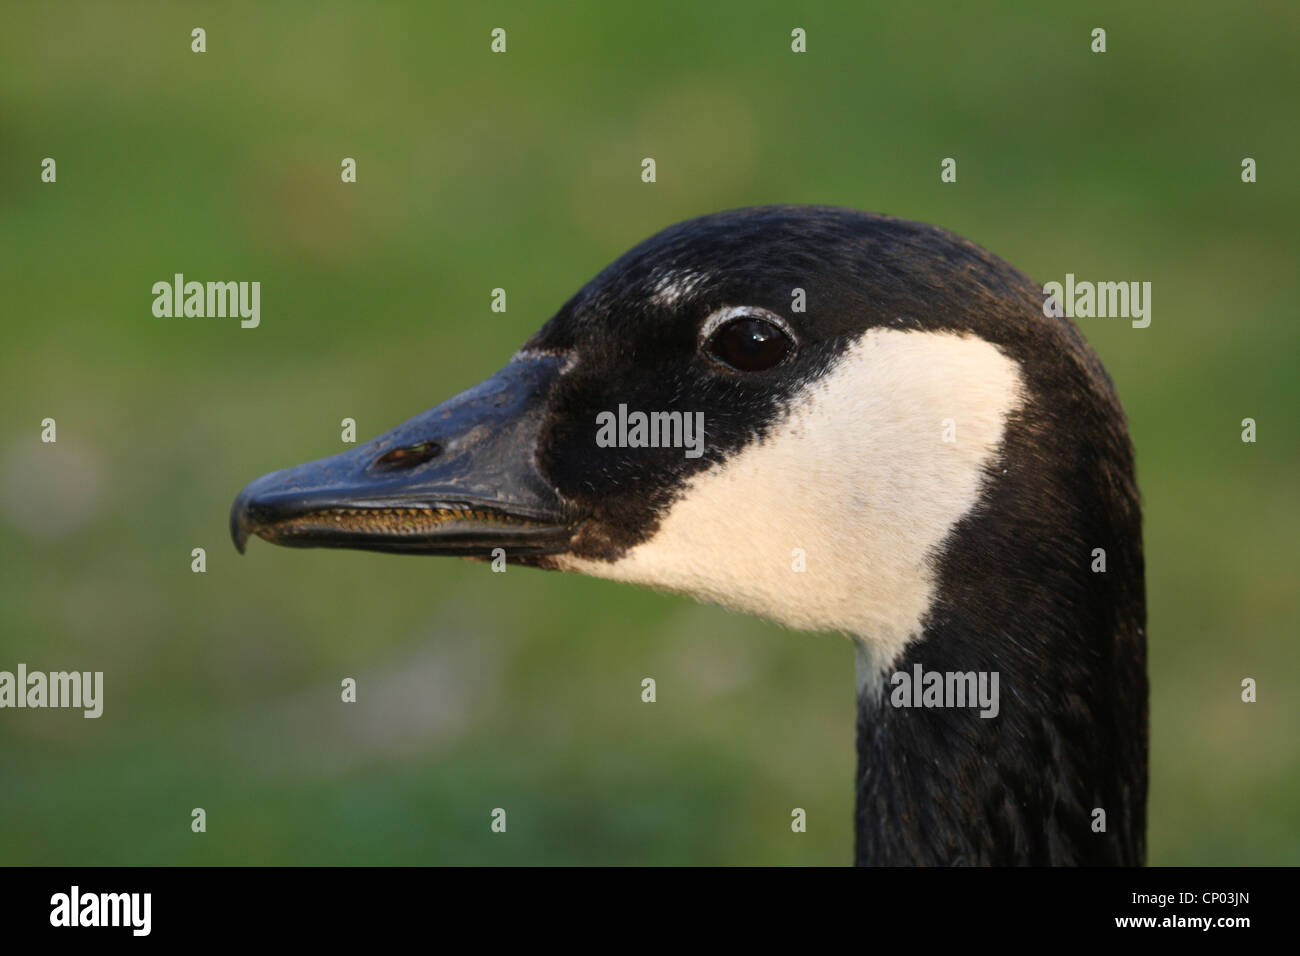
[858, 478]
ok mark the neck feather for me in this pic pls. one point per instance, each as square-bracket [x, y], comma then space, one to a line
[1019, 594]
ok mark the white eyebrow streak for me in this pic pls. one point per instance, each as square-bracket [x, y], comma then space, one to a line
[570, 358]
[672, 286]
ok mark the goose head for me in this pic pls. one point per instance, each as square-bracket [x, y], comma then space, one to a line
[840, 422]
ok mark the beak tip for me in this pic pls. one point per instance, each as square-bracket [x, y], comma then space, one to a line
[239, 523]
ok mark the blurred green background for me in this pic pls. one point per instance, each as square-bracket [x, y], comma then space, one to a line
[475, 170]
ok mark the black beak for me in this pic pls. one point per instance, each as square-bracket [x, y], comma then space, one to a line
[461, 479]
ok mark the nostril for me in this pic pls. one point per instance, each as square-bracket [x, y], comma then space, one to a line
[408, 457]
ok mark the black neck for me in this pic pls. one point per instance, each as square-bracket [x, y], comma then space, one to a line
[1019, 596]
[945, 786]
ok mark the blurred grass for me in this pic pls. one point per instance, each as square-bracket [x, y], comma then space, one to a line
[476, 171]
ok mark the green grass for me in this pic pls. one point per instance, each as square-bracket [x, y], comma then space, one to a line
[476, 171]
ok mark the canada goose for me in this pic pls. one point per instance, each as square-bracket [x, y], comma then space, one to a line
[886, 403]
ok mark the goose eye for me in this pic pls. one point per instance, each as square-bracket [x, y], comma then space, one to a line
[749, 344]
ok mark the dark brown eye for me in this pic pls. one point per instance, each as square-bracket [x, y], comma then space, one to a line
[749, 344]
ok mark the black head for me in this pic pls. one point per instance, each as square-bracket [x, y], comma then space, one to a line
[730, 315]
